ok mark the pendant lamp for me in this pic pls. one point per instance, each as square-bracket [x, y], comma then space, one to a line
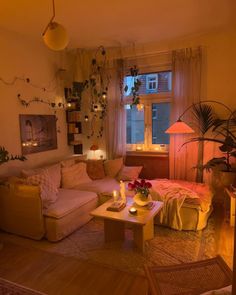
[55, 35]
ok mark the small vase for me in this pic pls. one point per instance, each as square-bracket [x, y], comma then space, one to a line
[142, 200]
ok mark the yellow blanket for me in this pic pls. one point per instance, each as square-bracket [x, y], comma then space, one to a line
[173, 195]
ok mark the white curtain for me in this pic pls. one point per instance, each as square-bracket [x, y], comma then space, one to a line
[186, 69]
[116, 117]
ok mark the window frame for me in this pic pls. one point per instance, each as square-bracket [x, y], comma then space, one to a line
[151, 76]
[147, 100]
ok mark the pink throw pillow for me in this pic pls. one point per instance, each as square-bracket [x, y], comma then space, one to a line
[48, 190]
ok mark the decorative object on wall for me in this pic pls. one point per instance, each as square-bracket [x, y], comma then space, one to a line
[6, 157]
[55, 35]
[206, 120]
[38, 133]
[73, 116]
[97, 84]
[51, 87]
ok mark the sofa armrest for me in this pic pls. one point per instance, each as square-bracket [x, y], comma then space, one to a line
[21, 210]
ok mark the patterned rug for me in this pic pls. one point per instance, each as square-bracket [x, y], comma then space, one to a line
[168, 247]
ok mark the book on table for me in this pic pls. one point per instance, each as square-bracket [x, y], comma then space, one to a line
[116, 206]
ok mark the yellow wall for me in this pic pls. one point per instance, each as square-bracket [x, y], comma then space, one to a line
[22, 57]
[219, 75]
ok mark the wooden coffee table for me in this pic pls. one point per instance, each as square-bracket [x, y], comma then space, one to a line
[142, 222]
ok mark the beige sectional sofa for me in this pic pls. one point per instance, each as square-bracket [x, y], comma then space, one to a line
[22, 205]
[22, 209]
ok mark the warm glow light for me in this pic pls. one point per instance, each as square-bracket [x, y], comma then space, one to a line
[132, 210]
[179, 127]
[56, 37]
[69, 105]
[139, 107]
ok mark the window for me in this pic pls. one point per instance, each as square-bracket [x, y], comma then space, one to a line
[134, 125]
[160, 122]
[151, 82]
[145, 129]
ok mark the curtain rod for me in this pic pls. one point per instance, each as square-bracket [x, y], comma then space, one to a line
[154, 53]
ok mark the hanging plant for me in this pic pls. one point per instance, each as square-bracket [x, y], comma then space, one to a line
[6, 157]
[98, 84]
[135, 88]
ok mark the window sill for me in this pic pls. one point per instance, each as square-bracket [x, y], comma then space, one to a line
[148, 153]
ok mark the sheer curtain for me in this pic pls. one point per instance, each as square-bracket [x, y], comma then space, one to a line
[186, 69]
[116, 118]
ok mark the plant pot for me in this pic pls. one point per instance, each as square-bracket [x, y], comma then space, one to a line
[141, 200]
[227, 177]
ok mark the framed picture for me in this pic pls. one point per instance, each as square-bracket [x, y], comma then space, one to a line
[38, 133]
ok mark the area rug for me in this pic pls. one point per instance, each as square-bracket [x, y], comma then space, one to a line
[168, 247]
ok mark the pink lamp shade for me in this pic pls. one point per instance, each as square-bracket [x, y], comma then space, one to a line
[179, 127]
[94, 147]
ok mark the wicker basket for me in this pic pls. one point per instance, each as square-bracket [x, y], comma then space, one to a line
[189, 278]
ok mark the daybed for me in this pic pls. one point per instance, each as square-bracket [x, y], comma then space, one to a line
[54, 201]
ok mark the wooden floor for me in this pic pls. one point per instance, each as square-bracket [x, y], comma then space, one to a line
[224, 234]
[57, 275]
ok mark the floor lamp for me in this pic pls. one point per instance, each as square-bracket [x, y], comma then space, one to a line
[179, 127]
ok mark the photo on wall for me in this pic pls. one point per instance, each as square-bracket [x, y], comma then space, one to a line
[38, 133]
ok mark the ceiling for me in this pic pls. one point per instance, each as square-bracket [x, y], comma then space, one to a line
[118, 22]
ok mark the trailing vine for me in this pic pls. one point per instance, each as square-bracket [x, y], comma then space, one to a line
[136, 85]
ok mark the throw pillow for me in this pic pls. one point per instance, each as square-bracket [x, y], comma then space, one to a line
[71, 161]
[74, 175]
[95, 169]
[29, 172]
[48, 190]
[112, 167]
[129, 173]
[54, 172]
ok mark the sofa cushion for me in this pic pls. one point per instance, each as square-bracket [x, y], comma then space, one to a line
[100, 186]
[95, 169]
[74, 175]
[69, 200]
[54, 172]
[73, 160]
[112, 167]
[129, 173]
[48, 190]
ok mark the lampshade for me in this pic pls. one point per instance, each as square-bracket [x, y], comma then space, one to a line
[56, 37]
[179, 127]
[94, 147]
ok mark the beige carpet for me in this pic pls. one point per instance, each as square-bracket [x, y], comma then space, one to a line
[168, 247]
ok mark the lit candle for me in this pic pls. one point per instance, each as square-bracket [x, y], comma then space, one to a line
[115, 195]
[132, 210]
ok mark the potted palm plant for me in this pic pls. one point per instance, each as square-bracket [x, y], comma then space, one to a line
[224, 134]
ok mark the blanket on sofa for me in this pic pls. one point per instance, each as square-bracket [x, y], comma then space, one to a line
[173, 195]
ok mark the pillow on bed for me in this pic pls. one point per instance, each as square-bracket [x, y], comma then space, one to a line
[74, 175]
[112, 167]
[129, 173]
